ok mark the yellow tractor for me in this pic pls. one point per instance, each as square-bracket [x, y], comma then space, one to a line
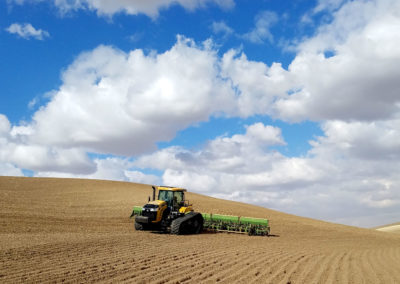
[170, 212]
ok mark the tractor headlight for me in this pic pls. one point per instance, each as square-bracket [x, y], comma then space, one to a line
[153, 209]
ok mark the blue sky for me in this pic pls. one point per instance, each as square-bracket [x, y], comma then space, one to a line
[291, 105]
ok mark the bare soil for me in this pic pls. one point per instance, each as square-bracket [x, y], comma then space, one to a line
[390, 228]
[71, 230]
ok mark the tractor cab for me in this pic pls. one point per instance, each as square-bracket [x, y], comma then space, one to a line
[173, 196]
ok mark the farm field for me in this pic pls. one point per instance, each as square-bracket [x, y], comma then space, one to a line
[393, 228]
[72, 230]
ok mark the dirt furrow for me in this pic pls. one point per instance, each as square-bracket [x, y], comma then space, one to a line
[285, 269]
[389, 269]
[355, 270]
[367, 267]
[275, 267]
[184, 264]
[311, 262]
[291, 274]
[331, 275]
[226, 263]
[243, 264]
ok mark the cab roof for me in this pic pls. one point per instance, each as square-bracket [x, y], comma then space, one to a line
[171, 188]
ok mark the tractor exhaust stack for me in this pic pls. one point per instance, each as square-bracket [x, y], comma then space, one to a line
[154, 193]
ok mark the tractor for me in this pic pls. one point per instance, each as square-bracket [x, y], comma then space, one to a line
[170, 212]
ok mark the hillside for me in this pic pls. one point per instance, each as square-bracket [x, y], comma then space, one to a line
[79, 230]
[391, 228]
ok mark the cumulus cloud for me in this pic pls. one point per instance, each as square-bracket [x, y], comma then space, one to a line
[256, 85]
[118, 103]
[130, 7]
[263, 21]
[359, 81]
[110, 168]
[112, 102]
[27, 31]
[374, 141]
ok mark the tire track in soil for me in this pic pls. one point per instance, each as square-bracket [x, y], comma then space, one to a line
[394, 260]
[311, 262]
[252, 269]
[287, 269]
[228, 261]
[189, 266]
[73, 255]
[104, 263]
[332, 273]
[324, 266]
[223, 266]
[355, 275]
[275, 269]
[395, 253]
[146, 265]
[367, 268]
[238, 276]
[198, 259]
[344, 268]
[389, 271]
[240, 266]
[376, 267]
[291, 274]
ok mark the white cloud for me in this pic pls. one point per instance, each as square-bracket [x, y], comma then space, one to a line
[111, 168]
[139, 177]
[5, 125]
[221, 28]
[130, 7]
[7, 169]
[113, 102]
[257, 86]
[27, 31]
[330, 5]
[379, 140]
[17, 149]
[263, 21]
[360, 82]
[120, 103]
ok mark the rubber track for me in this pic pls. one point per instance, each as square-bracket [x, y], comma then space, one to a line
[176, 224]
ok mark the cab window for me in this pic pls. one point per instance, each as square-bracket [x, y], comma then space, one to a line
[178, 197]
[167, 196]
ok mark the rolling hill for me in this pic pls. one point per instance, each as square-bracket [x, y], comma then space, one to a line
[392, 228]
[56, 230]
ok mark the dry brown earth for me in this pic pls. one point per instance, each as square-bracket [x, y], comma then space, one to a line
[69, 230]
[392, 228]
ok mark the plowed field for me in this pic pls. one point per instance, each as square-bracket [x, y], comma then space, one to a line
[67, 230]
